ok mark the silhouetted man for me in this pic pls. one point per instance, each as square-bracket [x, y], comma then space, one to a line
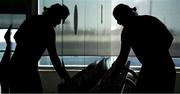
[150, 40]
[35, 35]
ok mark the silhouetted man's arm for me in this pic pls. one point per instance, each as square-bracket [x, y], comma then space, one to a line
[55, 59]
[123, 56]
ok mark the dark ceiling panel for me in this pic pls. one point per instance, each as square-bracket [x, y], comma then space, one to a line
[14, 6]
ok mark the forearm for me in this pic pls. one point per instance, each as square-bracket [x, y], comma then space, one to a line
[119, 63]
[122, 58]
[60, 69]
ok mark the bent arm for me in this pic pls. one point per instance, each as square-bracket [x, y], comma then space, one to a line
[122, 58]
[124, 52]
[55, 59]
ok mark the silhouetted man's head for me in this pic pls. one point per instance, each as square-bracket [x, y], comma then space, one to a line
[122, 13]
[56, 13]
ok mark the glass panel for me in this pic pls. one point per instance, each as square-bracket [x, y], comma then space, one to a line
[86, 60]
[72, 60]
[73, 44]
[93, 35]
[168, 12]
[177, 61]
[46, 3]
[98, 32]
[1, 55]
[143, 7]
[14, 19]
[45, 60]
[2, 40]
[103, 27]
[165, 10]
[135, 62]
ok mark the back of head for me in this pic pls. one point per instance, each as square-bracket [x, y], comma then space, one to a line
[65, 12]
[123, 9]
[57, 10]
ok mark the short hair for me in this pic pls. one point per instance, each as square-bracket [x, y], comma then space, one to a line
[57, 9]
[65, 12]
[124, 9]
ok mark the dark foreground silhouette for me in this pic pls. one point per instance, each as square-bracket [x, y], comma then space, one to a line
[150, 40]
[4, 65]
[35, 35]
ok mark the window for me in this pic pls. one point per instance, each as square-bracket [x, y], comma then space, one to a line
[92, 39]
[71, 61]
[165, 10]
[98, 34]
[3, 43]
[5, 21]
[14, 19]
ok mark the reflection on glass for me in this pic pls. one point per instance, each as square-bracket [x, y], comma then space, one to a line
[1, 55]
[95, 38]
[2, 41]
[14, 19]
[72, 60]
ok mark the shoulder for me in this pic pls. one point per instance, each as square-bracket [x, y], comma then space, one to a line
[149, 18]
[35, 18]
